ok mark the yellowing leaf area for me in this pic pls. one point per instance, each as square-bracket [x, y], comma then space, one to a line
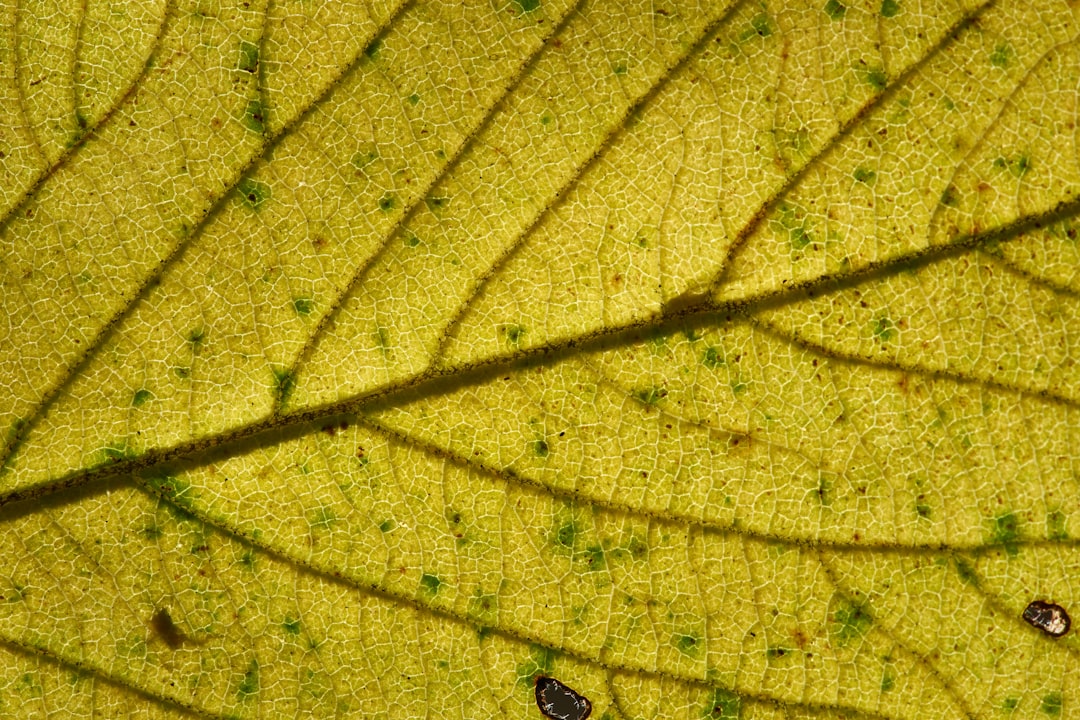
[719, 359]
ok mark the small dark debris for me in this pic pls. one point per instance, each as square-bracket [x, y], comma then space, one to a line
[1048, 617]
[559, 702]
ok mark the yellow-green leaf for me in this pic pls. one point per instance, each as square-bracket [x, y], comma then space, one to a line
[718, 359]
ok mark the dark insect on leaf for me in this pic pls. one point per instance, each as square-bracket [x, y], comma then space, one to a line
[166, 629]
[1048, 617]
[559, 702]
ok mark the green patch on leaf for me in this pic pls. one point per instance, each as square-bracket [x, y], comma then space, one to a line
[249, 57]
[252, 193]
[1002, 55]
[437, 204]
[1051, 704]
[249, 685]
[1005, 531]
[540, 448]
[372, 50]
[566, 534]
[483, 609]
[141, 397]
[1017, 165]
[713, 358]
[514, 333]
[291, 625]
[255, 116]
[875, 77]
[725, 705]
[690, 645]
[883, 329]
[386, 526]
[387, 203]
[364, 157]
[303, 305]
[541, 662]
[283, 385]
[1055, 525]
[890, 8]
[864, 175]
[429, 585]
[888, 680]
[949, 197]
[761, 25]
[527, 5]
[650, 396]
[835, 10]
[594, 557]
[793, 222]
[850, 620]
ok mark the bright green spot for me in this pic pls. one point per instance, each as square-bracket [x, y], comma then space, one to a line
[835, 10]
[619, 69]
[864, 175]
[1018, 165]
[255, 116]
[291, 626]
[1005, 532]
[373, 48]
[850, 620]
[250, 684]
[414, 99]
[725, 705]
[922, 510]
[249, 57]
[196, 336]
[1051, 703]
[527, 5]
[387, 202]
[888, 681]
[890, 8]
[540, 447]
[386, 526]
[429, 585]
[1010, 704]
[141, 397]
[303, 306]
[252, 192]
[411, 240]
[182, 372]
[170, 488]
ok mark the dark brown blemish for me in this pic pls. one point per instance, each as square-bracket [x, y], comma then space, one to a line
[559, 702]
[164, 627]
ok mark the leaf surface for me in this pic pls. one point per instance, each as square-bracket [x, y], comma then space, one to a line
[717, 359]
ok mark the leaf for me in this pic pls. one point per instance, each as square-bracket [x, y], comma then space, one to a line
[716, 359]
